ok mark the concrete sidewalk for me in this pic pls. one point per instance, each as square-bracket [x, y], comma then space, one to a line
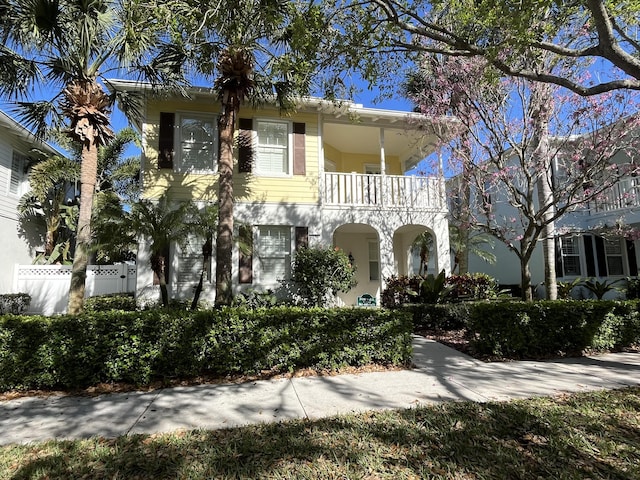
[442, 374]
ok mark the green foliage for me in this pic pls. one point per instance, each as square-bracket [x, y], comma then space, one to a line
[472, 286]
[538, 329]
[255, 299]
[433, 289]
[138, 347]
[600, 288]
[15, 303]
[319, 273]
[113, 301]
[447, 316]
[565, 288]
[632, 290]
[397, 288]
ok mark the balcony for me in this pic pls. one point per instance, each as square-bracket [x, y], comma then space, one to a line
[383, 191]
[624, 194]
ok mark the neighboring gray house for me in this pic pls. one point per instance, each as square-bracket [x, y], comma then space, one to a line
[18, 151]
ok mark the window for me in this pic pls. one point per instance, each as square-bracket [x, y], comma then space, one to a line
[198, 143]
[274, 252]
[374, 262]
[18, 181]
[273, 148]
[190, 262]
[571, 256]
[613, 253]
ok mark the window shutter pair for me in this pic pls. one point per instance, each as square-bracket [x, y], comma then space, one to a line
[245, 147]
[599, 256]
[245, 258]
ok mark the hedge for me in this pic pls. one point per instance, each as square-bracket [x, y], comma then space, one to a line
[139, 347]
[545, 328]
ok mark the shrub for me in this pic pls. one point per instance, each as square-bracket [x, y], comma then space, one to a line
[396, 290]
[539, 329]
[138, 347]
[320, 273]
[255, 299]
[15, 303]
[113, 301]
[447, 316]
[472, 286]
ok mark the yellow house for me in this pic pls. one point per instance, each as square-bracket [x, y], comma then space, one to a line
[329, 174]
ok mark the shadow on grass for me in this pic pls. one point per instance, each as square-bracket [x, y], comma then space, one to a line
[594, 435]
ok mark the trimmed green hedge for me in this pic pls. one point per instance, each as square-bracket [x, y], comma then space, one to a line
[538, 329]
[440, 316]
[138, 347]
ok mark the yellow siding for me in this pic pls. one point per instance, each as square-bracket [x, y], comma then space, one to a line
[247, 187]
[355, 162]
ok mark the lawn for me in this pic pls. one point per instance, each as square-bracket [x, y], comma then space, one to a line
[591, 435]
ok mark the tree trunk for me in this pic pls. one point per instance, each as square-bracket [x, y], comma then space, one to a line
[465, 212]
[224, 238]
[207, 249]
[88, 174]
[542, 99]
[525, 280]
[158, 265]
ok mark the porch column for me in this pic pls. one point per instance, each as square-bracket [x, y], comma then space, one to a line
[387, 265]
[443, 256]
[383, 167]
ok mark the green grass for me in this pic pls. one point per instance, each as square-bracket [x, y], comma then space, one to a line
[593, 435]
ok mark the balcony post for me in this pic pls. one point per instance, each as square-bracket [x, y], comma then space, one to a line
[383, 172]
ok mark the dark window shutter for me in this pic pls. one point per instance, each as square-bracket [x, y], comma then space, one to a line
[299, 160]
[589, 257]
[245, 256]
[165, 140]
[631, 256]
[302, 237]
[245, 145]
[558, 251]
[601, 257]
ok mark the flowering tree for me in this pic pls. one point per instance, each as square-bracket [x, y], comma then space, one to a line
[536, 156]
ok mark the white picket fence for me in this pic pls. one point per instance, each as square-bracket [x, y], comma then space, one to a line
[48, 285]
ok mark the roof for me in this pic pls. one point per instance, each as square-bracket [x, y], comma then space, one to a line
[24, 135]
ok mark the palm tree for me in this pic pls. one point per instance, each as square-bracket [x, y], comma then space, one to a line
[423, 246]
[65, 47]
[48, 202]
[474, 243]
[160, 223]
[254, 50]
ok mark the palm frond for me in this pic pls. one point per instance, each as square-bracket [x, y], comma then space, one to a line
[17, 73]
[39, 117]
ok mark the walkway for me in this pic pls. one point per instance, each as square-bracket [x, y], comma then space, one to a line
[442, 374]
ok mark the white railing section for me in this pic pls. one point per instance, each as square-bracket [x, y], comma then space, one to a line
[624, 194]
[355, 189]
[48, 285]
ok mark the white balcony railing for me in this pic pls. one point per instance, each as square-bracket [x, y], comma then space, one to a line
[624, 194]
[355, 189]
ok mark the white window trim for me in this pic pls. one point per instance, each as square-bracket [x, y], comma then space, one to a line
[23, 180]
[258, 272]
[579, 254]
[623, 259]
[376, 246]
[256, 145]
[177, 141]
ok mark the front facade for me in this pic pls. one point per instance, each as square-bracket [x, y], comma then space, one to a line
[328, 174]
[17, 153]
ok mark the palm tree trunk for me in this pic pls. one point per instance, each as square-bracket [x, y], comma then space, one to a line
[88, 174]
[224, 238]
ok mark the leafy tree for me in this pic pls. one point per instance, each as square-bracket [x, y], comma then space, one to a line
[65, 47]
[321, 272]
[511, 35]
[594, 145]
[254, 50]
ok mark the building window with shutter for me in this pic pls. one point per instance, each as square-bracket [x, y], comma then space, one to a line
[614, 256]
[273, 153]
[190, 262]
[274, 253]
[18, 181]
[197, 139]
[571, 256]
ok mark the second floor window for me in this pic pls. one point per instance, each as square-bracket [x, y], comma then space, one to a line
[273, 148]
[18, 182]
[198, 140]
